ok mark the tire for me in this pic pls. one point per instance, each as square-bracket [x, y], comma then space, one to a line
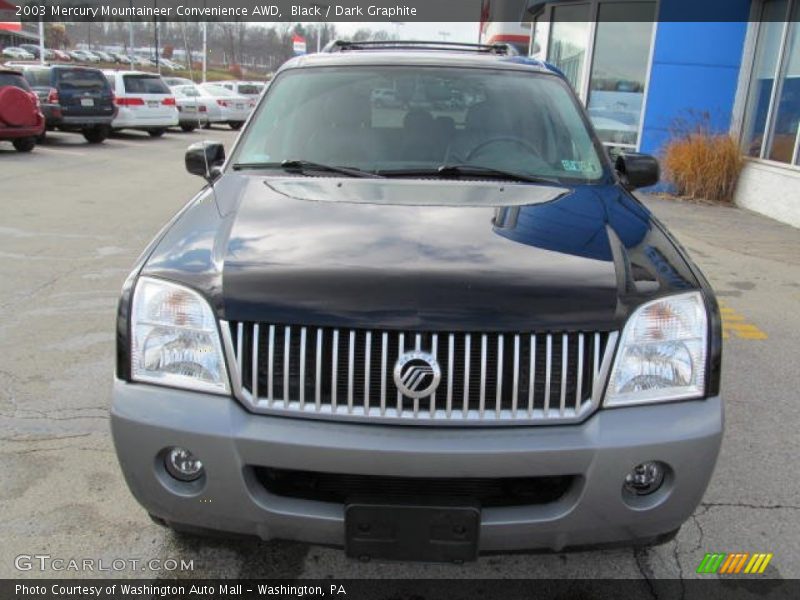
[235, 125]
[188, 128]
[96, 135]
[24, 144]
[17, 108]
[41, 138]
[156, 133]
[207, 126]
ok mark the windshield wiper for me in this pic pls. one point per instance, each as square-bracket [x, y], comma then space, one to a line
[468, 171]
[300, 166]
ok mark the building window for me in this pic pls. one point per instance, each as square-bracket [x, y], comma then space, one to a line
[771, 128]
[619, 70]
[569, 39]
[603, 49]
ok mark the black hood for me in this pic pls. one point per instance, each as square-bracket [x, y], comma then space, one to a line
[431, 254]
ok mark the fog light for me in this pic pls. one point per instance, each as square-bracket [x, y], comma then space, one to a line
[183, 465]
[645, 478]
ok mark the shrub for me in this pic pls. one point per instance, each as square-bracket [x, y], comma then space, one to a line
[703, 164]
[236, 71]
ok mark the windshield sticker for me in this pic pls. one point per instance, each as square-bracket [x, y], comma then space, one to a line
[581, 166]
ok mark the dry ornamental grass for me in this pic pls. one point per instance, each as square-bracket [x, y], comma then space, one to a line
[702, 165]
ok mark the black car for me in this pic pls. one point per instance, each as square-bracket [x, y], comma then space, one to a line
[74, 99]
[422, 331]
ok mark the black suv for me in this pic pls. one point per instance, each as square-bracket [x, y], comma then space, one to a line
[74, 99]
[419, 329]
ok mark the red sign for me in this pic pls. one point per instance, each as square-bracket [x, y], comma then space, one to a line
[9, 11]
[298, 44]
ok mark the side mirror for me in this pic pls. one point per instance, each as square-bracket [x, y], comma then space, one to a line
[637, 170]
[205, 159]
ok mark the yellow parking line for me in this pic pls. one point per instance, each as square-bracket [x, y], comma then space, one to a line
[735, 324]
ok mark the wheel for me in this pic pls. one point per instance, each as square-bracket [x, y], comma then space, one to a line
[235, 125]
[207, 126]
[156, 132]
[188, 128]
[24, 144]
[96, 135]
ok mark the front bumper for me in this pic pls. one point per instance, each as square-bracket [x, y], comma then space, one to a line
[599, 452]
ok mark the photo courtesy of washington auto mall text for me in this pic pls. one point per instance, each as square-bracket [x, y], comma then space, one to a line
[399, 299]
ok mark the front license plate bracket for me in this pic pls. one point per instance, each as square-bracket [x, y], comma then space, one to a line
[441, 531]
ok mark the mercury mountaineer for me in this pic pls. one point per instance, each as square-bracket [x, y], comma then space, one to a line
[417, 313]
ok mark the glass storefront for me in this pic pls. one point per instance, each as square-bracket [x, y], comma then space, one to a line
[771, 127]
[569, 39]
[603, 48]
[619, 70]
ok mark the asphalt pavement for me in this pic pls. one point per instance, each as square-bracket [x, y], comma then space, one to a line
[76, 216]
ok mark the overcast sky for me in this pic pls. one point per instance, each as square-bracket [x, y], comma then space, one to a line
[455, 32]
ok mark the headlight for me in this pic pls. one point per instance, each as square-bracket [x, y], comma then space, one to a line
[175, 338]
[662, 353]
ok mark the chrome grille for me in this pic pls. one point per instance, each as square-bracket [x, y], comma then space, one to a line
[485, 377]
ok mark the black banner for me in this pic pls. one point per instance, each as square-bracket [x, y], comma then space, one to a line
[444, 11]
[731, 588]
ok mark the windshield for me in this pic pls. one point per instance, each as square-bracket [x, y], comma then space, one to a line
[249, 89]
[188, 91]
[84, 79]
[144, 84]
[13, 80]
[385, 119]
[218, 91]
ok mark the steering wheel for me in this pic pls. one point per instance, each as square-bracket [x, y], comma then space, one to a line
[504, 138]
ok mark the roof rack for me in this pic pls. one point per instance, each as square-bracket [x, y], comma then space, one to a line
[348, 46]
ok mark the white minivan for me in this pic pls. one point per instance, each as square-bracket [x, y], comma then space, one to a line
[144, 100]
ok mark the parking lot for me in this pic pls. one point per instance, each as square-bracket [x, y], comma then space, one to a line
[76, 216]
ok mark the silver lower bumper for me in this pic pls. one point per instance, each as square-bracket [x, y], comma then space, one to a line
[599, 452]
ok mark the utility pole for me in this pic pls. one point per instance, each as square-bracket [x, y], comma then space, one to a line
[205, 49]
[130, 35]
[41, 41]
[205, 46]
[155, 21]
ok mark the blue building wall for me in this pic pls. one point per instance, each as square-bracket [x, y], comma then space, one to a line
[695, 69]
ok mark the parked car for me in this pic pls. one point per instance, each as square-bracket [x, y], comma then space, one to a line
[21, 122]
[84, 56]
[144, 100]
[420, 337]
[75, 98]
[249, 89]
[62, 56]
[193, 107]
[40, 81]
[16, 53]
[233, 108]
[171, 65]
[35, 51]
[173, 81]
[104, 56]
[120, 57]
